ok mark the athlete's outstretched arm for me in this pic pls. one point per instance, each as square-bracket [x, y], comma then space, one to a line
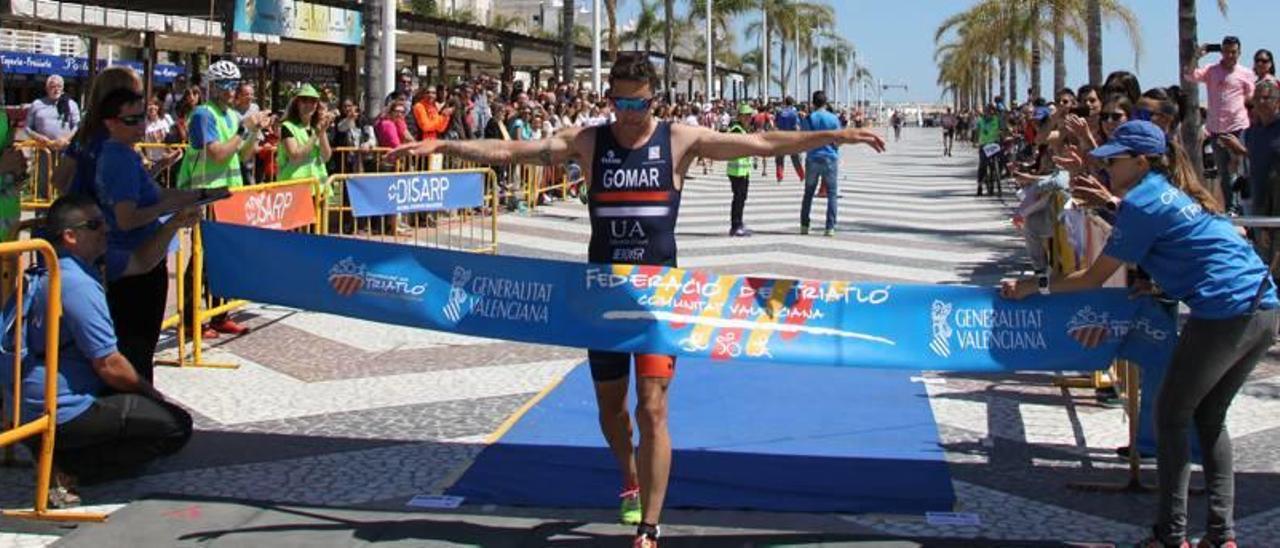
[553, 150]
[727, 146]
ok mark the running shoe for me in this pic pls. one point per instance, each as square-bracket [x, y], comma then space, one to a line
[644, 541]
[630, 512]
[1206, 543]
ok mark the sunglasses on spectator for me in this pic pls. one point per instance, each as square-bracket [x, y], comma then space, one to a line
[132, 119]
[1262, 60]
[632, 103]
[1265, 99]
[1113, 117]
[91, 224]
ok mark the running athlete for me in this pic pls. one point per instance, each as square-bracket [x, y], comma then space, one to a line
[636, 167]
[948, 132]
[788, 119]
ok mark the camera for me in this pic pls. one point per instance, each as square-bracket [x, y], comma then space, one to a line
[1213, 48]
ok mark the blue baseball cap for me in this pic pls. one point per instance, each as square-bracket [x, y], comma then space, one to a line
[1134, 137]
[1041, 113]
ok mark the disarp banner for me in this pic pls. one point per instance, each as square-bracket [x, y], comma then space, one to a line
[281, 206]
[413, 192]
[663, 310]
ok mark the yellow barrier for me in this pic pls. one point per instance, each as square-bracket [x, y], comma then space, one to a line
[464, 230]
[46, 424]
[162, 161]
[38, 190]
[204, 305]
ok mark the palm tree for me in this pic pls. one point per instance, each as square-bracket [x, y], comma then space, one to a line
[1188, 43]
[611, 12]
[648, 27]
[567, 47]
[668, 64]
[512, 23]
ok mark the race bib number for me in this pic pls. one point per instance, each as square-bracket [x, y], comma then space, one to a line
[990, 150]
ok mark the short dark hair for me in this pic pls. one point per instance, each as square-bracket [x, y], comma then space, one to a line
[60, 215]
[1230, 41]
[113, 104]
[1065, 91]
[634, 67]
[819, 99]
[1085, 89]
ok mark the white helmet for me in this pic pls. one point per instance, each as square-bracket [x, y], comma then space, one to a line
[222, 70]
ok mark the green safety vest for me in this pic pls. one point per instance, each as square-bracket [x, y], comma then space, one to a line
[312, 167]
[739, 167]
[198, 170]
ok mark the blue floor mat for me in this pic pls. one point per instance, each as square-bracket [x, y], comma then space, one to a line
[746, 436]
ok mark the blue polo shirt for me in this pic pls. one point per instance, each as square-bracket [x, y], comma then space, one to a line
[822, 120]
[86, 334]
[1195, 256]
[122, 178]
[86, 157]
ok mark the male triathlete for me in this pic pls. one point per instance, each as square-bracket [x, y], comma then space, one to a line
[636, 168]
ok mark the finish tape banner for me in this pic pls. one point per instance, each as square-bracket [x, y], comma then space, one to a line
[414, 192]
[661, 310]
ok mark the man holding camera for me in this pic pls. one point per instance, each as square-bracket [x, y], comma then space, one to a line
[1229, 85]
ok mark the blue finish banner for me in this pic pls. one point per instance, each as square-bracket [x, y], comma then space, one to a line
[663, 310]
[413, 192]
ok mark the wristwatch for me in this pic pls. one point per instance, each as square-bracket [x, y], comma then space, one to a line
[1042, 284]
[1112, 205]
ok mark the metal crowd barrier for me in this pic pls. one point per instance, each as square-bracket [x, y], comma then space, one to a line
[474, 230]
[38, 191]
[46, 424]
[268, 205]
[162, 160]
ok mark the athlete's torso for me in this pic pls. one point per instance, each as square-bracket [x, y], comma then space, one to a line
[634, 200]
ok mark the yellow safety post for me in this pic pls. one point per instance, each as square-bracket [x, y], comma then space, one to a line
[46, 424]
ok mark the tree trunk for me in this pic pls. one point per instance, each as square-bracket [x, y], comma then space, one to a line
[1036, 53]
[611, 11]
[1059, 49]
[1004, 72]
[567, 46]
[373, 85]
[668, 67]
[1013, 77]
[808, 77]
[782, 66]
[1094, 15]
[1187, 43]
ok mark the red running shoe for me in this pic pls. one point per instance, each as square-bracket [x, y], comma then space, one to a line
[228, 326]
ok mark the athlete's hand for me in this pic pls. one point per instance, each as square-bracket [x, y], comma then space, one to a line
[1018, 289]
[414, 149]
[862, 136]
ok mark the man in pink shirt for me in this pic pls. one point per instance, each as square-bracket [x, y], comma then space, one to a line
[1229, 85]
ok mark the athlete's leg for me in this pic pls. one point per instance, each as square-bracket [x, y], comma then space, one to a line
[795, 162]
[610, 371]
[653, 379]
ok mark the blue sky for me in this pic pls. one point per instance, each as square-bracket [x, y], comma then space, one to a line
[895, 38]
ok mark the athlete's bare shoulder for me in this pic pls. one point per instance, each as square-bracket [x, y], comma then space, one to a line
[684, 138]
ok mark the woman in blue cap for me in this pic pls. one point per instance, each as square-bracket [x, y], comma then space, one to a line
[1201, 259]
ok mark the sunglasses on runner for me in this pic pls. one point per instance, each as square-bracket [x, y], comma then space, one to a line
[631, 103]
[226, 85]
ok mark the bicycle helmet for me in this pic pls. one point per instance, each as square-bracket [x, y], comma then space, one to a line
[222, 70]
